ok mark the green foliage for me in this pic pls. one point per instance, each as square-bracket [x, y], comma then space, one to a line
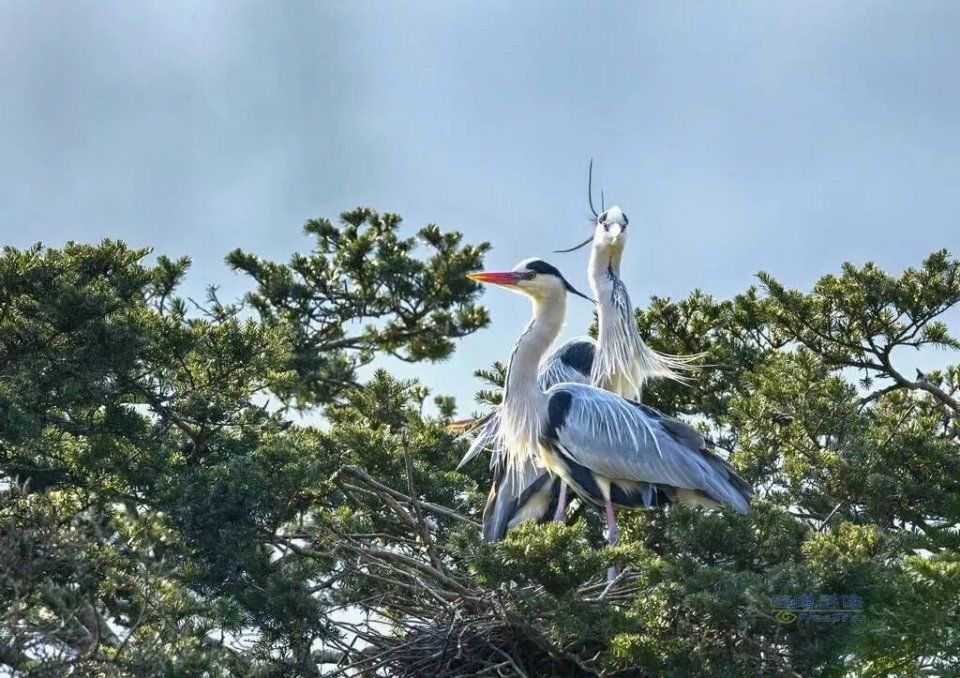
[557, 557]
[147, 484]
[363, 291]
[160, 514]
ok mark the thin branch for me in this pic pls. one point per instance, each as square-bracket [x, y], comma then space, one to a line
[361, 474]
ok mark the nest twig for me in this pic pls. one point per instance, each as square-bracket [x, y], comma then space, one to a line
[428, 617]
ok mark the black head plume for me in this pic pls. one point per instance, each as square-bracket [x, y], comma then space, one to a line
[590, 189]
[543, 268]
[575, 247]
[592, 209]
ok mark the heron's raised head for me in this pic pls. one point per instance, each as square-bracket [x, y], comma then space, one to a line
[534, 278]
[611, 229]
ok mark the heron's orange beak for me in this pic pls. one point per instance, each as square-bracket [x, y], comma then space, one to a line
[506, 278]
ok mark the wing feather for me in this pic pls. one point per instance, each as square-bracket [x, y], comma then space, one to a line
[529, 494]
[621, 440]
[569, 363]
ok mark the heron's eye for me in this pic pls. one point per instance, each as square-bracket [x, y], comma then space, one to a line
[531, 275]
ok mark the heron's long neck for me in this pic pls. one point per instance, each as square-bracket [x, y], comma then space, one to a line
[548, 316]
[524, 403]
[604, 268]
[604, 272]
[618, 364]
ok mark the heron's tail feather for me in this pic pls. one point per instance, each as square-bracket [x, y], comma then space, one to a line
[514, 498]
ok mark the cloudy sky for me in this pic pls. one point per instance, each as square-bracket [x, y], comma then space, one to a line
[781, 136]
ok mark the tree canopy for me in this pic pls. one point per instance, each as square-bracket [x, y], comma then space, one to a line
[164, 512]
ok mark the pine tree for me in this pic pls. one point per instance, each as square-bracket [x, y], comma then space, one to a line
[164, 512]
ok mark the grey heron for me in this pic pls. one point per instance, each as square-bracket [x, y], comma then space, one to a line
[623, 361]
[619, 361]
[610, 450]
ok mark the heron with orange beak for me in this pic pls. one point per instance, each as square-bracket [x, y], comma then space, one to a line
[608, 449]
[618, 361]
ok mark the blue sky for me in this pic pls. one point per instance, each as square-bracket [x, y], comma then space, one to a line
[783, 136]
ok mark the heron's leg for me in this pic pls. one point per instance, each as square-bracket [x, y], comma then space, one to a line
[613, 536]
[560, 515]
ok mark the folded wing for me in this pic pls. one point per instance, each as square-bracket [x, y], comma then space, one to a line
[621, 440]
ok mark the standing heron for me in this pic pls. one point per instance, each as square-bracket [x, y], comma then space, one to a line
[619, 361]
[610, 450]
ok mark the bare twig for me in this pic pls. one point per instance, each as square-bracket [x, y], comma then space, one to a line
[361, 474]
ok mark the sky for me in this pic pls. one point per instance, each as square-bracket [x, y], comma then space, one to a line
[787, 137]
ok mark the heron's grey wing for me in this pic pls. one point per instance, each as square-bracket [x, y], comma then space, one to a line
[570, 362]
[692, 438]
[680, 430]
[620, 440]
[528, 493]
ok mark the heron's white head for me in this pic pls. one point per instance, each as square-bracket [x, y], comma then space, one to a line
[609, 233]
[611, 230]
[533, 278]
